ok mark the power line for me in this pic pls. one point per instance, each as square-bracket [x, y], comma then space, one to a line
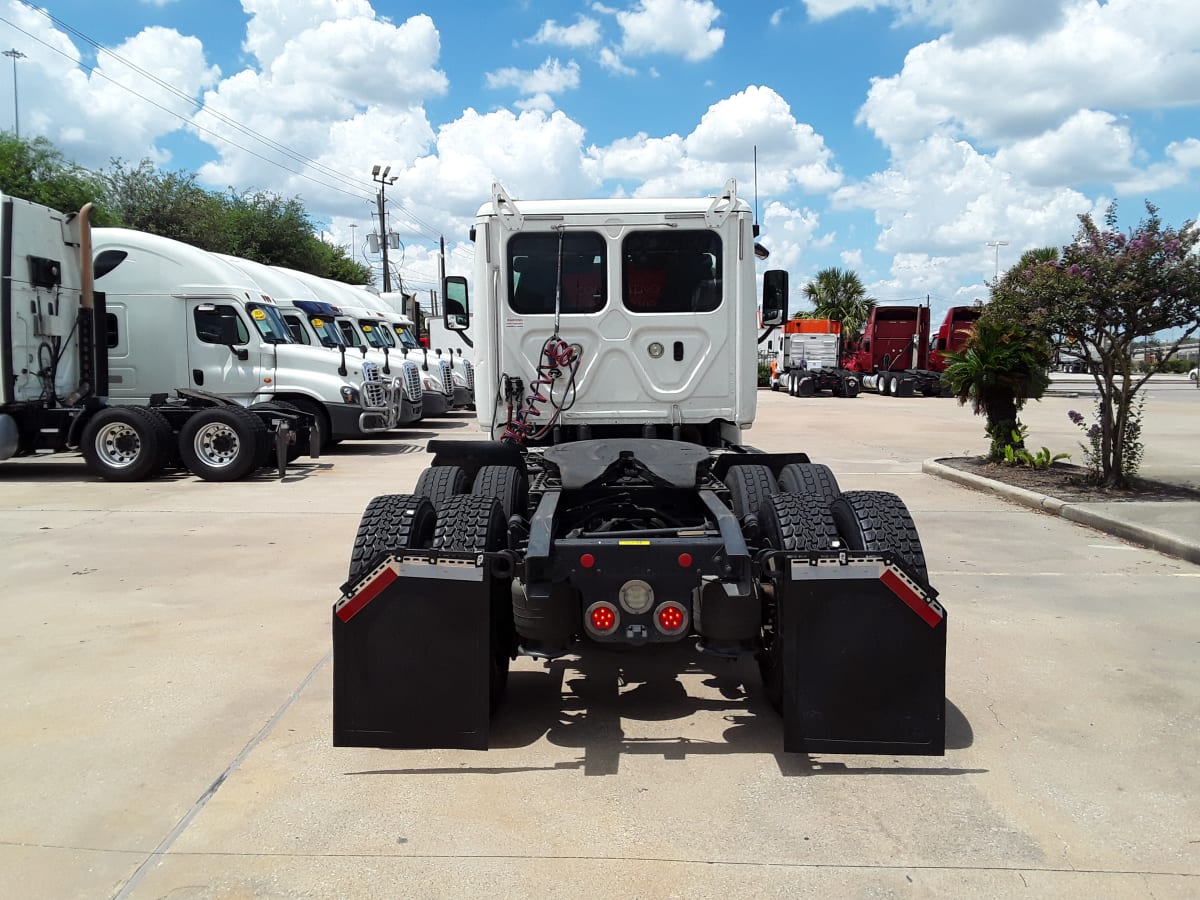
[422, 227]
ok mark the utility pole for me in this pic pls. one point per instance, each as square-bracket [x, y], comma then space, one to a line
[382, 179]
[441, 265]
[14, 54]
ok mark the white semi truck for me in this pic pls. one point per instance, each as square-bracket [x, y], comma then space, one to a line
[56, 383]
[311, 322]
[614, 503]
[181, 315]
[438, 391]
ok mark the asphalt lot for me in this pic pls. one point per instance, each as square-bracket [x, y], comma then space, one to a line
[165, 688]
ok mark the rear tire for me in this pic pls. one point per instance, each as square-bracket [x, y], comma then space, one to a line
[222, 443]
[805, 386]
[477, 525]
[507, 484]
[125, 443]
[789, 522]
[440, 483]
[809, 478]
[879, 521]
[391, 522]
[749, 488]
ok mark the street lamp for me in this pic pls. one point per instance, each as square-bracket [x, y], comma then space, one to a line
[14, 54]
[381, 178]
[997, 245]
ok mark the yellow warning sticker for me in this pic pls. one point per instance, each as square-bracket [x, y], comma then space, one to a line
[368, 329]
[633, 543]
[318, 323]
[257, 314]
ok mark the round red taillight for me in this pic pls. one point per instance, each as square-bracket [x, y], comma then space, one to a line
[602, 618]
[671, 618]
[587, 560]
[685, 560]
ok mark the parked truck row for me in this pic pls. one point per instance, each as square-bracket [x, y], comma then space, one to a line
[145, 353]
[894, 356]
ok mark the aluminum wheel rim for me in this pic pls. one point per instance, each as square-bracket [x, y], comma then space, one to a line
[119, 445]
[217, 445]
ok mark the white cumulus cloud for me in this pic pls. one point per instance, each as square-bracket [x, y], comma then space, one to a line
[677, 27]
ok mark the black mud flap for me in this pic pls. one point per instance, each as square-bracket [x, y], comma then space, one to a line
[864, 655]
[411, 654]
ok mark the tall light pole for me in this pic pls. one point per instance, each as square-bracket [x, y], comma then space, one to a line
[14, 54]
[383, 181]
[997, 245]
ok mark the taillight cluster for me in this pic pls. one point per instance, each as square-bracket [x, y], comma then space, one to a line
[636, 597]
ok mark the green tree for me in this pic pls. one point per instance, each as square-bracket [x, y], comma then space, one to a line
[1106, 291]
[1001, 367]
[336, 263]
[170, 204]
[37, 171]
[839, 294]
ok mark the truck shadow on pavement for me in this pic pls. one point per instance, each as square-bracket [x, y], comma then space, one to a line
[583, 704]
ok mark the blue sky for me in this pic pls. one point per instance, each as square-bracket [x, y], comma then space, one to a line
[895, 137]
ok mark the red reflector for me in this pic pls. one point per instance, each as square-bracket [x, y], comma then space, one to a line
[670, 618]
[685, 560]
[587, 560]
[603, 618]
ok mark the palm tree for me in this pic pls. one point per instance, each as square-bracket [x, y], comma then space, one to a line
[839, 294]
[1000, 367]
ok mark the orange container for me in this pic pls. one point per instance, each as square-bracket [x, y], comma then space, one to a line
[812, 326]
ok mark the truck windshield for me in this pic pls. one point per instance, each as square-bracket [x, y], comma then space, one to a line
[671, 271]
[269, 323]
[533, 272]
[375, 335]
[407, 341]
[327, 331]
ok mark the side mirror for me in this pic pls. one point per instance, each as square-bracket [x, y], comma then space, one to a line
[456, 303]
[774, 298]
[227, 327]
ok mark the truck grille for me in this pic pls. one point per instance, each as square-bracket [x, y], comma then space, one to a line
[470, 370]
[412, 382]
[374, 391]
[447, 381]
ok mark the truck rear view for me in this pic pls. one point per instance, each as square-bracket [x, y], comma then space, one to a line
[615, 504]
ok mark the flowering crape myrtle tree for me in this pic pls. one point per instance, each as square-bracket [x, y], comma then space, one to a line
[1106, 291]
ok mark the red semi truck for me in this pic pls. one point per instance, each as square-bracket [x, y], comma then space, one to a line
[894, 353]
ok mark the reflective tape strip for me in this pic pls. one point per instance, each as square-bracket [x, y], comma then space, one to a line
[925, 607]
[349, 606]
[409, 567]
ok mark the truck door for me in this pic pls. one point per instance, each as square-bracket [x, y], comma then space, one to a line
[215, 365]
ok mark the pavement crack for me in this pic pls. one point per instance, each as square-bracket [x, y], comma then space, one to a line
[165, 845]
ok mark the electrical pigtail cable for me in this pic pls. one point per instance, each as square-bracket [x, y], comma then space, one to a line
[555, 356]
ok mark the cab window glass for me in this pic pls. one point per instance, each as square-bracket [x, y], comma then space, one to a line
[208, 323]
[533, 273]
[671, 271]
[348, 333]
[299, 334]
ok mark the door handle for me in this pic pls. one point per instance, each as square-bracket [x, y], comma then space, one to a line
[198, 377]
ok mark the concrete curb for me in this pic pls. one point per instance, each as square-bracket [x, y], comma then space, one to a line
[1081, 513]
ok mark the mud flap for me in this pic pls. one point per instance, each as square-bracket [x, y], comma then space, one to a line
[864, 656]
[411, 654]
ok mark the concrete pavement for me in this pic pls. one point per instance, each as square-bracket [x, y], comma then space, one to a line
[166, 693]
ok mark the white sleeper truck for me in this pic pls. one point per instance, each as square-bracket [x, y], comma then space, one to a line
[613, 501]
[56, 337]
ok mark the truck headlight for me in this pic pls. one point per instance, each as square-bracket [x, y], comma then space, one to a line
[431, 385]
[460, 380]
[349, 394]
